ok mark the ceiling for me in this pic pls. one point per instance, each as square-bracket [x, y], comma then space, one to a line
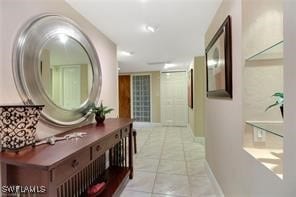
[181, 25]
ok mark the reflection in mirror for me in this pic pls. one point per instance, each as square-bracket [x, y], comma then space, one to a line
[216, 66]
[65, 71]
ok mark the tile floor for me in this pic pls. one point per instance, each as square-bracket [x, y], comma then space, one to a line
[168, 164]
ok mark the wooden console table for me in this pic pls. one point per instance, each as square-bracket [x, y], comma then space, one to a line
[69, 167]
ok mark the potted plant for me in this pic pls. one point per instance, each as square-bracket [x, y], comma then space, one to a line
[279, 102]
[100, 112]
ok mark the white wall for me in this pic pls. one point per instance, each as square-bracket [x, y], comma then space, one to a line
[15, 13]
[238, 173]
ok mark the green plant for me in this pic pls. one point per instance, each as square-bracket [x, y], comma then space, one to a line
[100, 110]
[279, 100]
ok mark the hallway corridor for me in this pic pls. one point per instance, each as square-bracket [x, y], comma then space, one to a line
[168, 164]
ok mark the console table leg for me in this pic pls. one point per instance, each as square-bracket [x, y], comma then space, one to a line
[130, 152]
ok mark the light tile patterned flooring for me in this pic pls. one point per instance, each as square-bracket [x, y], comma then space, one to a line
[168, 164]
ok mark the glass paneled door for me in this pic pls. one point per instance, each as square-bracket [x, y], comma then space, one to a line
[141, 98]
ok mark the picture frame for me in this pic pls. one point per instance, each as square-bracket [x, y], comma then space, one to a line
[219, 62]
[190, 88]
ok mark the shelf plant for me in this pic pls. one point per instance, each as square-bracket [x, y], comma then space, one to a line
[279, 102]
[100, 112]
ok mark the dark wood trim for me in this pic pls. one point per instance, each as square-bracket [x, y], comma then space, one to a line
[226, 26]
[130, 152]
[24, 105]
[190, 89]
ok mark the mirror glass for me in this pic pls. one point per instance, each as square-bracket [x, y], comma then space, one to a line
[66, 72]
[56, 65]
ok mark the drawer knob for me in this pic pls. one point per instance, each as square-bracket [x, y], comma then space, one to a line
[75, 163]
[116, 136]
[98, 147]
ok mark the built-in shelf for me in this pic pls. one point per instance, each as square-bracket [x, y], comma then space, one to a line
[273, 52]
[264, 141]
[115, 178]
[275, 128]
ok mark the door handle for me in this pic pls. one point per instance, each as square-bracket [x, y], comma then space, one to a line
[75, 163]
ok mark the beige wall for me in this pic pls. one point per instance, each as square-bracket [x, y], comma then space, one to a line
[156, 97]
[16, 13]
[191, 111]
[155, 83]
[260, 82]
[238, 173]
[196, 115]
[262, 25]
[84, 82]
[262, 28]
[290, 98]
[200, 94]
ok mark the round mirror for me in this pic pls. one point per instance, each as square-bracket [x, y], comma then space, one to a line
[56, 65]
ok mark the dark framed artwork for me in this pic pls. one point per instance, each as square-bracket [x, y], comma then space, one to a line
[219, 62]
[190, 88]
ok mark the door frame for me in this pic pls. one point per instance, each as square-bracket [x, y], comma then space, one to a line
[151, 101]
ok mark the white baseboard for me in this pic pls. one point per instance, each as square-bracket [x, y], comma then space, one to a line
[216, 186]
[146, 124]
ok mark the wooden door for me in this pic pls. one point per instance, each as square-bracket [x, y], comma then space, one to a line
[124, 87]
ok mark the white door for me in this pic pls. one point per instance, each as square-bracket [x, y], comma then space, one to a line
[174, 99]
[71, 87]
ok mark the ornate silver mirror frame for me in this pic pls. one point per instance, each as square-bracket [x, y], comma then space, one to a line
[26, 56]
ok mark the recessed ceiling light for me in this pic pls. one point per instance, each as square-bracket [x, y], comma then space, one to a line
[157, 63]
[126, 53]
[150, 28]
[166, 66]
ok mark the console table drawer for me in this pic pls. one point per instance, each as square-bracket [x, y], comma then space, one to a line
[114, 138]
[125, 131]
[100, 148]
[71, 166]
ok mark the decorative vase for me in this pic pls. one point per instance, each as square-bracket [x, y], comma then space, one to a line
[18, 125]
[100, 119]
[282, 110]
